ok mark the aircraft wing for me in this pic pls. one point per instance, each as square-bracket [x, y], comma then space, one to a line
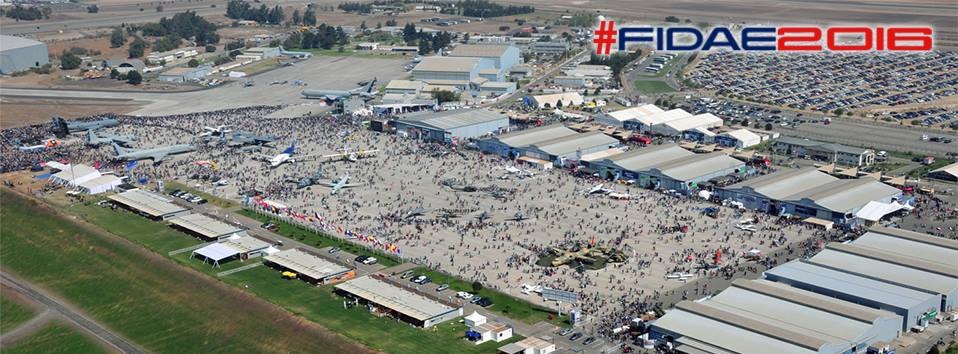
[159, 156]
[352, 185]
[262, 157]
[307, 157]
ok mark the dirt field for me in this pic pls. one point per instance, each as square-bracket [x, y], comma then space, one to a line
[18, 112]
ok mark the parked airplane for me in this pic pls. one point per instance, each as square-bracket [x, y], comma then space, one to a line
[343, 182]
[307, 181]
[156, 154]
[62, 127]
[45, 144]
[217, 131]
[365, 92]
[241, 138]
[287, 156]
[599, 189]
[93, 140]
[353, 156]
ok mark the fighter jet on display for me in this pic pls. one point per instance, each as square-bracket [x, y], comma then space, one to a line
[92, 139]
[241, 138]
[62, 127]
[156, 154]
[365, 92]
[286, 156]
[307, 181]
[342, 182]
[45, 144]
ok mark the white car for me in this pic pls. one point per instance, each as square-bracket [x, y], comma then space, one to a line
[370, 260]
[464, 295]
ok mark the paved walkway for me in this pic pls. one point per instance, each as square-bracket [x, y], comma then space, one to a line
[70, 314]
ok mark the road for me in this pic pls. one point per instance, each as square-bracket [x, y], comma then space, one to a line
[67, 312]
[108, 19]
[878, 137]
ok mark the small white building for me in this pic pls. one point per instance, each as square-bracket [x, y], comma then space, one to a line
[530, 345]
[474, 319]
[491, 331]
[739, 138]
[553, 100]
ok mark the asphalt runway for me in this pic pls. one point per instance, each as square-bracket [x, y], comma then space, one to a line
[337, 73]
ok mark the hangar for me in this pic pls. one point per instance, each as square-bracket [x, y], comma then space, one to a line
[618, 118]
[764, 193]
[646, 122]
[946, 173]
[511, 144]
[151, 205]
[19, 54]
[205, 227]
[628, 165]
[914, 306]
[821, 151]
[685, 174]
[403, 304]
[678, 127]
[763, 316]
[739, 138]
[309, 267]
[500, 58]
[570, 148]
[447, 126]
[447, 70]
[838, 200]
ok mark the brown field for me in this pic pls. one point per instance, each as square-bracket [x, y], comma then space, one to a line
[18, 112]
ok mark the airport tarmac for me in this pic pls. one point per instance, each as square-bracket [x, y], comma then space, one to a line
[335, 73]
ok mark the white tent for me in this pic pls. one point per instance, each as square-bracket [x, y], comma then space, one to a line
[101, 184]
[75, 174]
[874, 211]
[215, 252]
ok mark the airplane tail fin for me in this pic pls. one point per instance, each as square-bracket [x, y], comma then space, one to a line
[369, 87]
[59, 126]
[120, 150]
[291, 149]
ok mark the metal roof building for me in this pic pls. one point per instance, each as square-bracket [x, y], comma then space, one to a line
[839, 200]
[763, 192]
[19, 54]
[645, 123]
[930, 277]
[618, 118]
[913, 305]
[677, 127]
[448, 69]
[947, 173]
[817, 150]
[553, 100]
[149, 204]
[453, 124]
[684, 174]
[911, 244]
[404, 304]
[206, 227]
[629, 164]
[309, 267]
[761, 316]
[570, 147]
[512, 143]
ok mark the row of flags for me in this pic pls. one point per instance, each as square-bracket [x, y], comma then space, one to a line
[316, 220]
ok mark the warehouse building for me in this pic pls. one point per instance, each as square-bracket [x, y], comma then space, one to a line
[168, 57]
[529, 345]
[685, 174]
[570, 148]
[930, 277]
[645, 123]
[739, 139]
[458, 72]
[205, 227]
[512, 144]
[628, 165]
[911, 244]
[946, 173]
[309, 267]
[404, 87]
[447, 126]
[19, 54]
[837, 201]
[765, 193]
[699, 123]
[914, 306]
[260, 53]
[763, 316]
[498, 59]
[618, 118]
[406, 305]
[828, 152]
[151, 205]
[550, 48]
[182, 75]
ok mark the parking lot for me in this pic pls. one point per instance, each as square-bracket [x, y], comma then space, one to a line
[827, 82]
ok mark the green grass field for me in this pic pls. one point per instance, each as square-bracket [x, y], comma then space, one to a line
[653, 86]
[502, 303]
[54, 338]
[321, 305]
[155, 235]
[12, 314]
[321, 240]
[169, 186]
[155, 304]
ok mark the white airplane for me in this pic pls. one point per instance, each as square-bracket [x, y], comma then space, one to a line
[343, 182]
[353, 156]
[45, 144]
[286, 156]
[599, 189]
[217, 131]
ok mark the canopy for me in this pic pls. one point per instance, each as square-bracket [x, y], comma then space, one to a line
[216, 252]
[874, 211]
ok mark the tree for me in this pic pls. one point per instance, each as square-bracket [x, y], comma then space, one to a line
[476, 286]
[92, 9]
[309, 18]
[137, 48]
[159, 8]
[193, 63]
[839, 111]
[133, 77]
[117, 39]
[424, 47]
[210, 48]
[768, 126]
[69, 61]
[297, 18]
[446, 96]
[114, 73]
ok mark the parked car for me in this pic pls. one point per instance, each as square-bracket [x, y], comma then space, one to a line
[333, 250]
[361, 258]
[417, 279]
[370, 261]
[423, 280]
[464, 295]
[485, 302]
[576, 337]
[175, 192]
[442, 287]
[405, 274]
[588, 341]
[475, 299]
[565, 332]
